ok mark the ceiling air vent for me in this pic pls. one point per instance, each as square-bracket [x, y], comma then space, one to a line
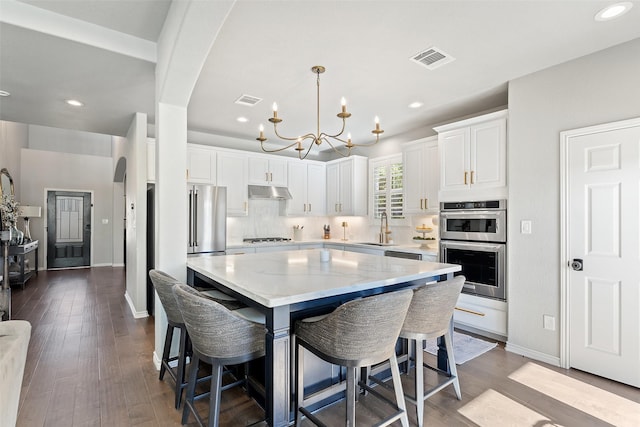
[432, 58]
[248, 100]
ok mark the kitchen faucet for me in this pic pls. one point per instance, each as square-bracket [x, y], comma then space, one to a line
[384, 228]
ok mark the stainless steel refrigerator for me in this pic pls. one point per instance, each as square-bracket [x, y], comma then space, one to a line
[207, 217]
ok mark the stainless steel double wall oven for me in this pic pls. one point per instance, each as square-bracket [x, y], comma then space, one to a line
[474, 235]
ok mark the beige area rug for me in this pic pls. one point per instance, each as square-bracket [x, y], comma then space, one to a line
[465, 347]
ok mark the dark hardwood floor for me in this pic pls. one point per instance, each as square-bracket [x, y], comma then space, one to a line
[90, 364]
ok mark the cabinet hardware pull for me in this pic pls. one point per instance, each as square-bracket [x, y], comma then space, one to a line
[305, 207]
[266, 176]
[421, 203]
[309, 207]
[335, 208]
[426, 203]
[271, 176]
[187, 174]
[472, 176]
[477, 313]
[465, 177]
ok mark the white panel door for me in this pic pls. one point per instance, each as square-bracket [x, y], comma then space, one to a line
[488, 154]
[604, 233]
[454, 159]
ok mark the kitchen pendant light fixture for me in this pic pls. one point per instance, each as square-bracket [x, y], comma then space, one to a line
[336, 142]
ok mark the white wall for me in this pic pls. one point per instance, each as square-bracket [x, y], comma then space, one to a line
[599, 88]
[66, 171]
[13, 137]
[136, 215]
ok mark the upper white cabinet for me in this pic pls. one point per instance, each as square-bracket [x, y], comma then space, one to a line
[347, 186]
[307, 185]
[201, 164]
[473, 157]
[267, 171]
[421, 173]
[231, 172]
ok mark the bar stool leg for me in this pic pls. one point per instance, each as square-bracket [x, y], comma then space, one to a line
[351, 397]
[182, 359]
[191, 390]
[214, 396]
[397, 388]
[165, 352]
[419, 381]
[448, 342]
[299, 390]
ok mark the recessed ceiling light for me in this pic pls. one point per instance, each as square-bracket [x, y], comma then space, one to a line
[242, 119]
[4, 93]
[416, 104]
[74, 102]
[613, 11]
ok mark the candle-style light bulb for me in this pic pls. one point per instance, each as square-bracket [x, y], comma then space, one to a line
[377, 120]
[343, 102]
[275, 110]
[261, 128]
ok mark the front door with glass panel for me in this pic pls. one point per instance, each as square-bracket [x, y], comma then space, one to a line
[68, 229]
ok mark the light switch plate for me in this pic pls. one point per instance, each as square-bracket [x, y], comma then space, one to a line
[549, 322]
[525, 226]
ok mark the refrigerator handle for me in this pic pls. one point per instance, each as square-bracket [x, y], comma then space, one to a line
[190, 216]
[195, 218]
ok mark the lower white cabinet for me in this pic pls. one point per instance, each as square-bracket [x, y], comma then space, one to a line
[278, 248]
[481, 314]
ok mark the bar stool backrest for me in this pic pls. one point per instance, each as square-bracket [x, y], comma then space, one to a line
[359, 332]
[215, 331]
[431, 309]
[163, 284]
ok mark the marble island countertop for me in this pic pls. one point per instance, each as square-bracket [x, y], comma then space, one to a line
[287, 277]
[409, 247]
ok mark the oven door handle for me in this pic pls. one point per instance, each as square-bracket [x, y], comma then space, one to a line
[470, 287]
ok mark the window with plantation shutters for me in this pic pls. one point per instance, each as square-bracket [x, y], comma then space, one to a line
[387, 187]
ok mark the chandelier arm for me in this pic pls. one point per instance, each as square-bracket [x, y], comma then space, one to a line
[275, 129]
[344, 125]
[306, 153]
[334, 148]
[368, 144]
[275, 150]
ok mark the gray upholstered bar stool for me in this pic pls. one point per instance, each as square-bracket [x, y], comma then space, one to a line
[219, 337]
[429, 317]
[359, 333]
[163, 284]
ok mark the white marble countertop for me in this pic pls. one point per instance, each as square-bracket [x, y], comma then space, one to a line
[280, 278]
[411, 247]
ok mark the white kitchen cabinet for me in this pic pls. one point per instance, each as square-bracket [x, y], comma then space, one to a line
[231, 171]
[201, 164]
[265, 170]
[151, 160]
[473, 157]
[307, 185]
[421, 164]
[347, 186]
[362, 250]
[481, 315]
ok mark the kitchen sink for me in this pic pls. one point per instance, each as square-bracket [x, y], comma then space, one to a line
[376, 244]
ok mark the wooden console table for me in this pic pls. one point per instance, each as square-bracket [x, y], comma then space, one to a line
[20, 251]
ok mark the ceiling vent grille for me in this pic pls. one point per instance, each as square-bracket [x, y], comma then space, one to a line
[432, 58]
[248, 100]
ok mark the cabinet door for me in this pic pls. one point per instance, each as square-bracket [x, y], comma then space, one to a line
[316, 190]
[258, 170]
[345, 204]
[297, 171]
[201, 165]
[278, 172]
[454, 155]
[413, 164]
[232, 173]
[431, 177]
[488, 154]
[333, 189]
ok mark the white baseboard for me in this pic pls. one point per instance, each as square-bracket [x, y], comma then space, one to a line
[119, 264]
[156, 361]
[136, 314]
[533, 354]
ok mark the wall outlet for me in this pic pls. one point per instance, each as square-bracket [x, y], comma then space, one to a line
[525, 226]
[548, 322]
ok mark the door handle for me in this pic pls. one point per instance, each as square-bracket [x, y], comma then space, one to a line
[576, 264]
[465, 177]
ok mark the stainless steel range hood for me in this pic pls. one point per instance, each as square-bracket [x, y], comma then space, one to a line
[268, 192]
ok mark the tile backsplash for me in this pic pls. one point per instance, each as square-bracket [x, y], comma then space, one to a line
[265, 220]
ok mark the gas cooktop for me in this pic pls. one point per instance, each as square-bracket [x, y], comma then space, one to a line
[265, 239]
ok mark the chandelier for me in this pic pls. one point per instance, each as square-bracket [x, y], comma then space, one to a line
[303, 144]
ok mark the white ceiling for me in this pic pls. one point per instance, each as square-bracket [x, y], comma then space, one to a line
[266, 49]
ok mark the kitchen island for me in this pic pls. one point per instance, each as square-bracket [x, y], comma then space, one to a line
[290, 285]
